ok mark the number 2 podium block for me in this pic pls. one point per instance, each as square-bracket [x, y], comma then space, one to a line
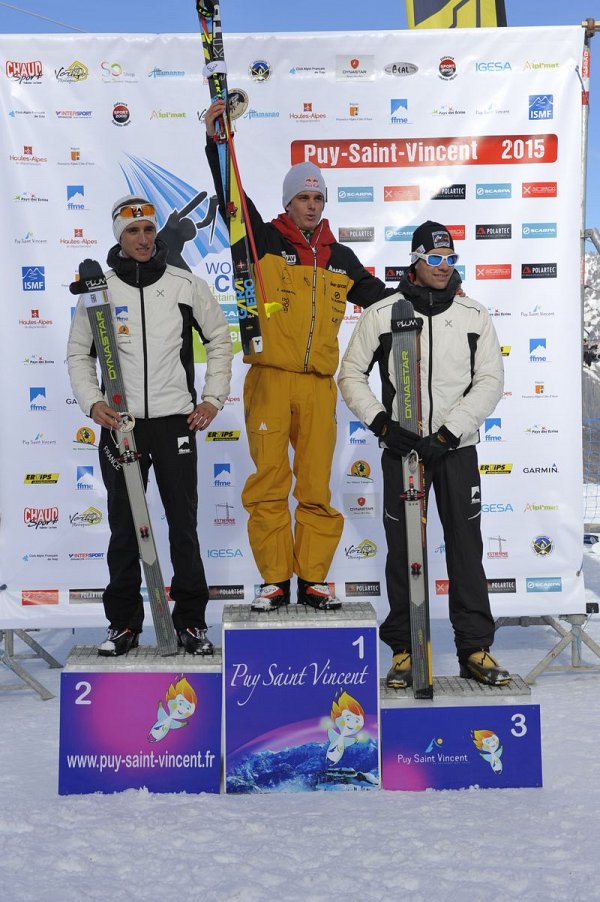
[140, 720]
[469, 735]
[301, 699]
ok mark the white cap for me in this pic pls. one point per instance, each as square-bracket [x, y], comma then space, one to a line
[136, 202]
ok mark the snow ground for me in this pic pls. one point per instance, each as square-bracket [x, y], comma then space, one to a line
[531, 844]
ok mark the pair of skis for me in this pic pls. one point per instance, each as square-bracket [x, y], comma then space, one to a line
[406, 348]
[238, 221]
[92, 284]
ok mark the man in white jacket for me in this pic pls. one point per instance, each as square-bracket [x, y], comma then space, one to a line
[462, 380]
[159, 307]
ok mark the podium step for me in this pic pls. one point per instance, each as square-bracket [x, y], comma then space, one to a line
[294, 616]
[142, 659]
[459, 691]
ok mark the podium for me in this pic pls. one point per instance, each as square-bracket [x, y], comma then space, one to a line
[140, 720]
[468, 735]
[300, 699]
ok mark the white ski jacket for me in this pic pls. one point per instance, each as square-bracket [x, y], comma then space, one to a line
[462, 374]
[154, 326]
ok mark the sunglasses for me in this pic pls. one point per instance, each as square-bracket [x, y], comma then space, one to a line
[436, 259]
[136, 211]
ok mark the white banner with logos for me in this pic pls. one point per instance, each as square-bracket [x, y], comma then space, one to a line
[480, 129]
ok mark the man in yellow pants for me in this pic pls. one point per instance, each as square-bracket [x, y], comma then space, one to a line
[289, 393]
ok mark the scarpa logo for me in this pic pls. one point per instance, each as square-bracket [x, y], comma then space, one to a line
[539, 230]
[496, 190]
[356, 195]
[399, 233]
[543, 584]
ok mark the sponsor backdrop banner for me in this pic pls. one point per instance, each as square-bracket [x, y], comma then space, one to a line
[477, 128]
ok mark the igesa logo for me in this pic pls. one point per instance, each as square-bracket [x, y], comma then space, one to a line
[225, 552]
[543, 583]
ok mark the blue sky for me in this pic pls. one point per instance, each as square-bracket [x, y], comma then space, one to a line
[109, 16]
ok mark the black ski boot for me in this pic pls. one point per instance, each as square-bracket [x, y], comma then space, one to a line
[195, 641]
[317, 596]
[271, 596]
[482, 666]
[119, 642]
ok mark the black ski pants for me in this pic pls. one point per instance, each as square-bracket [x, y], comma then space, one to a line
[457, 485]
[166, 444]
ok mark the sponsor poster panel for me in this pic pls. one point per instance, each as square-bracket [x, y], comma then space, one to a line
[301, 709]
[454, 748]
[132, 730]
[481, 132]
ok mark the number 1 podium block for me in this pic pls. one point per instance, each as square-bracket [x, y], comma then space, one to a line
[468, 735]
[140, 720]
[301, 699]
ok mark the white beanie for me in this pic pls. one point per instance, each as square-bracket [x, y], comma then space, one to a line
[121, 222]
[302, 177]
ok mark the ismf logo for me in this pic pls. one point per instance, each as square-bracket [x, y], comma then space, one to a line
[541, 106]
[33, 278]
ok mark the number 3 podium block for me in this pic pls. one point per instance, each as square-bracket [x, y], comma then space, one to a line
[469, 735]
[301, 699]
[140, 720]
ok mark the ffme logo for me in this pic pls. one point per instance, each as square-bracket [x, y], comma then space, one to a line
[399, 111]
[85, 478]
[33, 278]
[357, 433]
[75, 195]
[541, 106]
[37, 398]
[537, 350]
[493, 429]
[222, 475]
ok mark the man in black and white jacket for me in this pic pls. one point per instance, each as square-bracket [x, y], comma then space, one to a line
[462, 380]
[159, 307]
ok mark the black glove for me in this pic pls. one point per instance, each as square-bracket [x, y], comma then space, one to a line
[433, 447]
[396, 438]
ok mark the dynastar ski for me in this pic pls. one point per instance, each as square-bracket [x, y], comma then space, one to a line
[406, 343]
[97, 302]
[215, 71]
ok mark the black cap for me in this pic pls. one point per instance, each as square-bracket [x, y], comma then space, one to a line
[430, 236]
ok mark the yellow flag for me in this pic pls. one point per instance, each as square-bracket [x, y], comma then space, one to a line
[455, 13]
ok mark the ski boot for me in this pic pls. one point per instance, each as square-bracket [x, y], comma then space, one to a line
[399, 676]
[119, 642]
[481, 666]
[195, 641]
[271, 596]
[317, 596]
